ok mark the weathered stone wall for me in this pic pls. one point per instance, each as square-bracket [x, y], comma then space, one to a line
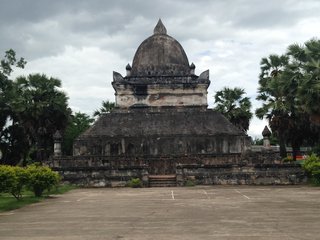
[250, 168]
[160, 145]
[264, 174]
[159, 95]
[273, 174]
[156, 165]
[261, 157]
[102, 176]
[141, 133]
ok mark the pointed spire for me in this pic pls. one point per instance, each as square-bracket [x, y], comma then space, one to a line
[266, 132]
[160, 28]
[57, 135]
[192, 68]
[128, 67]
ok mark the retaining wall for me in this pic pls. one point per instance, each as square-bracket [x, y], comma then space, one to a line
[250, 168]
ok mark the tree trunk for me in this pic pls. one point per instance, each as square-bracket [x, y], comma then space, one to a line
[315, 119]
[295, 150]
[282, 143]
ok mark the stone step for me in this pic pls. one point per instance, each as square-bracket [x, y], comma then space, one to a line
[162, 185]
[162, 181]
[162, 176]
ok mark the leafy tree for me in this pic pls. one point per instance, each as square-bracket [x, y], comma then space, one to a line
[305, 68]
[32, 108]
[303, 74]
[79, 122]
[271, 93]
[9, 61]
[6, 87]
[235, 107]
[42, 109]
[257, 141]
[107, 107]
[11, 135]
[287, 101]
[38, 109]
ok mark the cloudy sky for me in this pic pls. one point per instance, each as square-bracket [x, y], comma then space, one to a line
[82, 42]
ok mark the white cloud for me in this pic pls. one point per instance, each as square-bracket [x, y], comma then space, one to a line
[86, 74]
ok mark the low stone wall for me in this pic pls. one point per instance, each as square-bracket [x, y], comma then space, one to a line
[259, 174]
[263, 167]
[264, 156]
[102, 176]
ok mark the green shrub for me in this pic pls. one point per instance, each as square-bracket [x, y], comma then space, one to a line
[316, 150]
[22, 179]
[8, 179]
[41, 178]
[135, 183]
[312, 167]
[12, 180]
[288, 159]
[190, 183]
[37, 178]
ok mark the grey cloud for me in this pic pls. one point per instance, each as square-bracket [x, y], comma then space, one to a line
[229, 37]
[80, 22]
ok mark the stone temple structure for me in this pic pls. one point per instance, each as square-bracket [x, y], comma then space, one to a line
[161, 114]
[161, 126]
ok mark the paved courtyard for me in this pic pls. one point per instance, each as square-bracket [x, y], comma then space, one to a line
[213, 212]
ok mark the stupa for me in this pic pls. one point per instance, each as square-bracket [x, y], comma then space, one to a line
[161, 117]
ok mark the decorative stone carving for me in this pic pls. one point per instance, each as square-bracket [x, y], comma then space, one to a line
[57, 138]
[160, 28]
[117, 77]
[204, 75]
[266, 137]
[128, 69]
[192, 68]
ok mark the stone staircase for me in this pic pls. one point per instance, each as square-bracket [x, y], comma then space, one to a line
[162, 181]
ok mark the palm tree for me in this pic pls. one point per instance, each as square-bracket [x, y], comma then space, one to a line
[41, 109]
[272, 93]
[306, 60]
[289, 89]
[107, 107]
[235, 107]
[79, 122]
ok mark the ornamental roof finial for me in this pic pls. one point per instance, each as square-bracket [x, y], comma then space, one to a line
[266, 132]
[160, 28]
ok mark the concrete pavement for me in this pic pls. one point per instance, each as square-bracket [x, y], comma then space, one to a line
[206, 212]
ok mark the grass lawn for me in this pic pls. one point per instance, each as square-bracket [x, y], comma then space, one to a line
[8, 202]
